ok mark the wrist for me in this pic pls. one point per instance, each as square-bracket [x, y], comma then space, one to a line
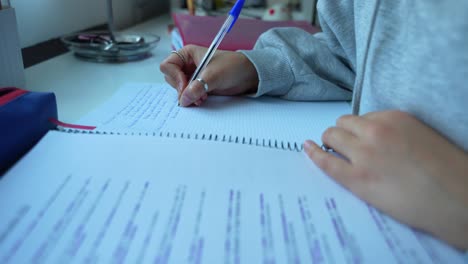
[250, 77]
[450, 224]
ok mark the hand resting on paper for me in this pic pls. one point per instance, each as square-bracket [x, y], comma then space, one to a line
[403, 167]
[228, 73]
[396, 163]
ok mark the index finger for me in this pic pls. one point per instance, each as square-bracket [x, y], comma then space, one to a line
[357, 125]
[342, 171]
[172, 67]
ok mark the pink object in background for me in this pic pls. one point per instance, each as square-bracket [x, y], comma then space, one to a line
[200, 30]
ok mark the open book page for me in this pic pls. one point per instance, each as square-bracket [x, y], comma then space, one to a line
[80, 198]
[257, 121]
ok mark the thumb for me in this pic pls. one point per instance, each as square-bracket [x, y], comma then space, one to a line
[196, 90]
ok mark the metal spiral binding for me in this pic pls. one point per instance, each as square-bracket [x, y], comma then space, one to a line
[267, 143]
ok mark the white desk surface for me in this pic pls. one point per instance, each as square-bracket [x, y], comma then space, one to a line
[80, 86]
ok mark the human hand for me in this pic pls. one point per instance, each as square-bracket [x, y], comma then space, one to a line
[228, 73]
[402, 167]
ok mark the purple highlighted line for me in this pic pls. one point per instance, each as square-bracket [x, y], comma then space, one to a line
[79, 235]
[351, 250]
[237, 226]
[60, 226]
[428, 247]
[170, 232]
[14, 222]
[229, 229]
[284, 222]
[126, 239]
[267, 234]
[199, 252]
[313, 243]
[333, 214]
[148, 237]
[383, 232]
[91, 257]
[386, 233]
[19, 242]
[263, 227]
[196, 246]
[288, 234]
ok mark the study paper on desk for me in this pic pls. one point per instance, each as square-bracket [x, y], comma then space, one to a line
[152, 108]
[81, 198]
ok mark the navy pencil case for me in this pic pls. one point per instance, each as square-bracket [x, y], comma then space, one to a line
[24, 120]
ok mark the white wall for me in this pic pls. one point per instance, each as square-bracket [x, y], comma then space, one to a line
[40, 20]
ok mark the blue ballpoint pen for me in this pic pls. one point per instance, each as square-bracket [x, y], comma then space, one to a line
[230, 20]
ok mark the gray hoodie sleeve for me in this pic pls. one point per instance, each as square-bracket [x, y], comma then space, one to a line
[297, 65]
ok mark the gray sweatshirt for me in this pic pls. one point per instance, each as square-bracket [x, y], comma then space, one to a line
[384, 55]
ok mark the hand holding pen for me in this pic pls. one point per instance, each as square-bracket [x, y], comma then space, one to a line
[229, 73]
[226, 73]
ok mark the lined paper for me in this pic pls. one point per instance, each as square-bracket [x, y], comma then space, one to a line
[152, 108]
[80, 198]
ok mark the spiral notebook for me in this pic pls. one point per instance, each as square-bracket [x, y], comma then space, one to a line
[158, 183]
[82, 198]
[151, 109]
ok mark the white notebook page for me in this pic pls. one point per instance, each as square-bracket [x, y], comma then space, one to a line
[79, 198]
[258, 121]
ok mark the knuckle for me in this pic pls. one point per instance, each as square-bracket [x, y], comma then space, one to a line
[393, 115]
[396, 114]
[366, 152]
[163, 67]
[343, 119]
[189, 47]
[402, 116]
[363, 176]
[328, 134]
[377, 131]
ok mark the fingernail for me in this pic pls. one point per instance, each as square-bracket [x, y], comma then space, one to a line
[308, 144]
[185, 100]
